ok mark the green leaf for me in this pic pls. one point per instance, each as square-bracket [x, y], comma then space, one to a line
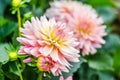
[99, 75]
[3, 54]
[84, 68]
[38, 12]
[1, 73]
[27, 0]
[3, 5]
[42, 4]
[6, 27]
[100, 62]
[83, 1]
[10, 70]
[87, 73]
[107, 13]
[112, 44]
[14, 38]
[116, 64]
[101, 3]
[29, 73]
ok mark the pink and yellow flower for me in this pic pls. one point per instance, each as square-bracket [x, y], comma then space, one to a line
[51, 39]
[83, 20]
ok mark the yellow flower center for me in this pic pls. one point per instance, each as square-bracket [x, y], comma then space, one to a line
[53, 39]
[85, 28]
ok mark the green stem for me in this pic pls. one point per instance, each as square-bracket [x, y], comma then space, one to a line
[19, 26]
[18, 68]
[23, 65]
[40, 76]
[19, 21]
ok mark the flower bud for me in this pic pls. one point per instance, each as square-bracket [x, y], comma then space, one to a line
[13, 56]
[45, 63]
[28, 15]
[16, 3]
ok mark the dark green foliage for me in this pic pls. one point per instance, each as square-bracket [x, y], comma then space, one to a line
[6, 27]
[86, 73]
[1, 73]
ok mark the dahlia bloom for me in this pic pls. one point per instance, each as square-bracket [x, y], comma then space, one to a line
[51, 39]
[83, 20]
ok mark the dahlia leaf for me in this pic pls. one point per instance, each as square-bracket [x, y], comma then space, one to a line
[14, 41]
[10, 70]
[6, 27]
[116, 64]
[94, 75]
[111, 40]
[3, 54]
[107, 13]
[101, 3]
[3, 5]
[30, 74]
[1, 73]
[86, 73]
[100, 62]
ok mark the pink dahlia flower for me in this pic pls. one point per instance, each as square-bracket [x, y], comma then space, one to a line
[83, 20]
[49, 38]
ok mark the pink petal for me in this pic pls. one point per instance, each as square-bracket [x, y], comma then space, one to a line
[61, 78]
[46, 50]
[27, 60]
[69, 78]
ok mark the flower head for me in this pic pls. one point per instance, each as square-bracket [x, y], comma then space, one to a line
[45, 63]
[83, 20]
[51, 39]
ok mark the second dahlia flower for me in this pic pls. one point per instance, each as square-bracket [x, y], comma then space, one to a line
[83, 20]
[48, 38]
